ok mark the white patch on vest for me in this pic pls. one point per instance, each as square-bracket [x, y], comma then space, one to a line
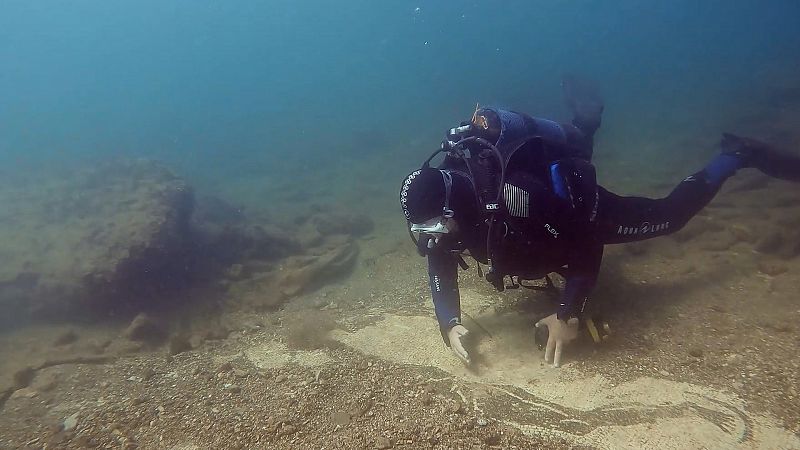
[517, 201]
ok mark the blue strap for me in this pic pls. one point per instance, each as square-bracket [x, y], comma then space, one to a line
[559, 182]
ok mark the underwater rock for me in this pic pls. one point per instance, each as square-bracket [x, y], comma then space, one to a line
[297, 274]
[770, 243]
[179, 344]
[302, 273]
[97, 237]
[382, 443]
[67, 337]
[696, 352]
[144, 328]
[71, 422]
[322, 222]
[241, 245]
[771, 268]
[23, 377]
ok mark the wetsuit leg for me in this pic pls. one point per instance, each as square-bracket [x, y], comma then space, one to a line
[586, 104]
[581, 143]
[628, 219]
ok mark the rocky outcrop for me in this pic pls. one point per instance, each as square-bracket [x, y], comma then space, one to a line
[125, 236]
[91, 236]
[319, 259]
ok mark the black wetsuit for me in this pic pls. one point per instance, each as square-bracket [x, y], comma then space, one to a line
[558, 220]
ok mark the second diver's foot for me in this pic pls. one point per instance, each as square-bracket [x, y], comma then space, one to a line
[762, 156]
[584, 102]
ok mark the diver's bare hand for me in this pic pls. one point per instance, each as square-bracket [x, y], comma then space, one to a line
[456, 335]
[559, 334]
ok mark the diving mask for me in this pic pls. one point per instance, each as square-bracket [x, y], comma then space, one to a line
[430, 231]
[436, 225]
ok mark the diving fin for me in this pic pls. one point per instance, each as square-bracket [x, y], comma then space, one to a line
[584, 101]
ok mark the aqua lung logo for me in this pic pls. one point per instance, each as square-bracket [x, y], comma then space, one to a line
[404, 193]
[551, 229]
[645, 228]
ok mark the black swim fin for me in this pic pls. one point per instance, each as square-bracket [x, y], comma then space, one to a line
[762, 156]
[584, 101]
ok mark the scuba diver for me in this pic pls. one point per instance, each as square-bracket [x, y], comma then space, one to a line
[519, 194]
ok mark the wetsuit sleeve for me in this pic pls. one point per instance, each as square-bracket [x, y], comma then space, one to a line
[443, 279]
[581, 277]
[574, 182]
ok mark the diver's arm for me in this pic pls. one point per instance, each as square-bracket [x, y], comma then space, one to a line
[581, 276]
[562, 327]
[443, 280]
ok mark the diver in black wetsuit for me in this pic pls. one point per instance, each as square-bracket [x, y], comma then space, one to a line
[546, 213]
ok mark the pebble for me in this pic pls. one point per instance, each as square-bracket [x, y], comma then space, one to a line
[492, 440]
[426, 398]
[455, 407]
[280, 378]
[225, 367]
[147, 374]
[232, 388]
[696, 352]
[383, 443]
[288, 429]
[481, 422]
[70, 422]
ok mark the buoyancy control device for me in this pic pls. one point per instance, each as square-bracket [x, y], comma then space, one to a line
[482, 148]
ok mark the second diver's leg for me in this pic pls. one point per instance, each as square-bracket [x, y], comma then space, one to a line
[586, 105]
[628, 219]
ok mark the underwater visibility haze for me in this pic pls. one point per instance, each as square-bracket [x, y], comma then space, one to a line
[202, 244]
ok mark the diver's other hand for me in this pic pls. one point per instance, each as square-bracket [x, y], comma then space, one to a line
[559, 333]
[456, 336]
